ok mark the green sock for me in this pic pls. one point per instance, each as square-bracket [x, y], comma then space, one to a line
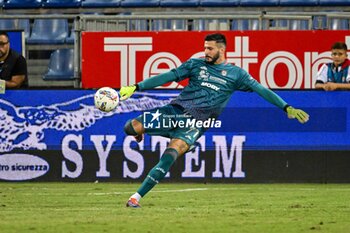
[159, 171]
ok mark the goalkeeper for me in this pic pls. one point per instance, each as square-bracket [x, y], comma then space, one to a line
[211, 83]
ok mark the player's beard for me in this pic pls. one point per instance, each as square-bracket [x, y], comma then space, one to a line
[2, 54]
[213, 59]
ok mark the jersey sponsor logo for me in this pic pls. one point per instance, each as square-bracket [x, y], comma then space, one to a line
[203, 74]
[211, 86]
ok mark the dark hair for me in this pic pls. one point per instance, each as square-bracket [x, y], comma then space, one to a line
[217, 37]
[340, 45]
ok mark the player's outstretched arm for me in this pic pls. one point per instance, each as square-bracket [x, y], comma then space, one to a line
[273, 98]
[150, 83]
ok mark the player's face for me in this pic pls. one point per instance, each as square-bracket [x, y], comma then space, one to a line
[4, 47]
[213, 53]
[338, 56]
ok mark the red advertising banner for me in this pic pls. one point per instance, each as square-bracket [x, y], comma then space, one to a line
[277, 59]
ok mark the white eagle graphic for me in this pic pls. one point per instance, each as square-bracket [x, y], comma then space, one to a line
[23, 127]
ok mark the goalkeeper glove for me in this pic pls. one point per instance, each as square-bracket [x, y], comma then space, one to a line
[126, 92]
[299, 114]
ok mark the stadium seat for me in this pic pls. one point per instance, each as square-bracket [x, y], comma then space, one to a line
[319, 22]
[10, 4]
[179, 3]
[338, 24]
[24, 24]
[7, 24]
[295, 24]
[61, 3]
[61, 65]
[279, 24]
[138, 25]
[334, 2]
[100, 3]
[240, 24]
[49, 31]
[16, 24]
[245, 24]
[139, 3]
[298, 2]
[219, 3]
[259, 2]
[198, 25]
[218, 24]
[169, 25]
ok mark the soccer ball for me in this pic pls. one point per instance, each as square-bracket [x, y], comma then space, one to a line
[106, 99]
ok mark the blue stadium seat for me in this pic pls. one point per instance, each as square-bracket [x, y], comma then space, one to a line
[295, 24]
[100, 3]
[217, 24]
[61, 65]
[338, 24]
[179, 3]
[15, 24]
[61, 3]
[24, 25]
[299, 2]
[49, 31]
[11, 4]
[280, 24]
[259, 2]
[138, 25]
[7, 24]
[199, 25]
[139, 3]
[319, 22]
[219, 3]
[245, 24]
[334, 2]
[169, 25]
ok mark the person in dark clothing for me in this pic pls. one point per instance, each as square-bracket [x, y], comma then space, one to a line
[13, 66]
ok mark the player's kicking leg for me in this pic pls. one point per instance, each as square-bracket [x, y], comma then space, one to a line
[176, 148]
[134, 128]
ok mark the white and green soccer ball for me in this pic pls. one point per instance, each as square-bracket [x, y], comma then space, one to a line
[106, 99]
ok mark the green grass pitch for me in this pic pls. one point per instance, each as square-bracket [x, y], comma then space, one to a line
[170, 207]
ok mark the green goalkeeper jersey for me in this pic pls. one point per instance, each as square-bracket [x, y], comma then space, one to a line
[210, 87]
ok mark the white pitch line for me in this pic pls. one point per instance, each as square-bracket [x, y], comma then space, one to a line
[220, 189]
[155, 191]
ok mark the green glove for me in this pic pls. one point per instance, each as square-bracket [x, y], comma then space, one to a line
[299, 114]
[126, 92]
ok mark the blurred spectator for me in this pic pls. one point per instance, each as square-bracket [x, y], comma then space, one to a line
[13, 66]
[335, 75]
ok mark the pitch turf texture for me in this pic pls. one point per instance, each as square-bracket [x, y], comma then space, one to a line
[100, 207]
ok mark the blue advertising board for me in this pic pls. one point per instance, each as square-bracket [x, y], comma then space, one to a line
[47, 117]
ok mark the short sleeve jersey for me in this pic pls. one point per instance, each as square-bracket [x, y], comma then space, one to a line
[210, 86]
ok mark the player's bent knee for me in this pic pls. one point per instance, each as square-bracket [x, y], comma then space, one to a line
[129, 129]
[179, 145]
